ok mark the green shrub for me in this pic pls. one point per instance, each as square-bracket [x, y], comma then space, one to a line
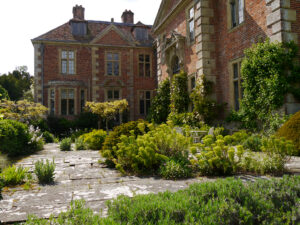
[228, 201]
[291, 131]
[80, 144]
[44, 171]
[183, 119]
[3, 93]
[160, 104]
[113, 138]
[60, 127]
[146, 153]
[65, 144]
[253, 143]
[174, 170]
[13, 175]
[48, 137]
[14, 138]
[95, 139]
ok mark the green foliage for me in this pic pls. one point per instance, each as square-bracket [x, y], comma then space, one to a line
[217, 158]
[114, 137]
[48, 137]
[60, 127]
[80, 144]
[44, 171]
[1, 186]
[3, 93]
[22, 110]
[160, 104]
[107, 110]
[86, 120]
[291, 131]
[14, 138]
[13, 175]
[206, 108]
[253, 143]
[267, 73]
[174, 170]
[94, 140]
[16, 82]
[65, 144]
[279, 147]
[179, 93]
[182, 119]
[228, 201]
[146, 153]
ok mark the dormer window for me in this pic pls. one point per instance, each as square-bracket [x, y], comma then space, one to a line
[79, 28]
[141, 34]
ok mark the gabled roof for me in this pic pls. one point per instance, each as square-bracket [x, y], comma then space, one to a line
[96, 29]
[164, 11]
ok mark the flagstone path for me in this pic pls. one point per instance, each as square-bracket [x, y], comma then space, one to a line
[78, 175]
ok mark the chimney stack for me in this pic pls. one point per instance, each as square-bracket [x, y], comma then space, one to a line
[78, 12]
[128, 17]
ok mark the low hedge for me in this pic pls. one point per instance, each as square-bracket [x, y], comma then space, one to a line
[228, 201]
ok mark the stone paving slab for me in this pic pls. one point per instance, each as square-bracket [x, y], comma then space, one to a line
[79, 176]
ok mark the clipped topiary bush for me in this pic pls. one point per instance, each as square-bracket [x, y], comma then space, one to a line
[65, 144]
[95, 139]
[291, 131]
[14, 138]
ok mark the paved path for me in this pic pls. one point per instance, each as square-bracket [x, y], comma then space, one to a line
[78, 175]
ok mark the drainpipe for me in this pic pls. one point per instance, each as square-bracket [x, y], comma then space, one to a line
[42, 71]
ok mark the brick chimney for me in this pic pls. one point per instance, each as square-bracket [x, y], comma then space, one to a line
[128, 16]
[78, 12]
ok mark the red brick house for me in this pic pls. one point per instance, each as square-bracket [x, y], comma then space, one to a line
[209, 37]
[84, 60]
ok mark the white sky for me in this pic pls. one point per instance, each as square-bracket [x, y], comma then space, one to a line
[23, 20]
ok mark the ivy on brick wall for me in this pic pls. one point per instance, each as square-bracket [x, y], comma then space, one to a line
[269, 72]
[179, 93]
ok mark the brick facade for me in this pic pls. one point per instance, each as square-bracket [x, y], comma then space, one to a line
[218, 45]
[90, 75]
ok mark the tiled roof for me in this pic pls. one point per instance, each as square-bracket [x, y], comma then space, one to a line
[63, 33]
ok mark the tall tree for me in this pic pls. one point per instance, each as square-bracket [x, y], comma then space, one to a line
[17, 82]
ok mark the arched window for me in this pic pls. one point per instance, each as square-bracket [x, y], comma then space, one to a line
[175, 65]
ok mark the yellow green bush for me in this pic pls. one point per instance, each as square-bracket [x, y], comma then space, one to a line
[95, 139]
[291, 131]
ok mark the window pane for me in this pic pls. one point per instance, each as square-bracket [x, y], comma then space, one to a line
[71, 106]
[71, 94]
[116, 95]
[63, 94]
[191, 24]
[141, 58]
[147, 58]
[142, 96]
[109, 56]
[52, 109]
[116, 68]
[82, 100]
[142, 107]
[235, 71]
[193, 82]
[109, 94]
[64, 66]
[51, 93]
[191, 13]
[148, 103]
[148, 94]
[148, 71]
[233, 13]
[64, 107]
[241, 11]
[71, 55]
[236, 96]
[71, 67]
[141, 69]
[109, 68]
[64, 54]
[116, 56]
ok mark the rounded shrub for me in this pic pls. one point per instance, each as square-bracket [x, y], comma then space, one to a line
[65, 144]
[79, 144]
[95, 139]
[14, 138]
[44, 171]
[173, 170]
[291, 131]
[48, 137]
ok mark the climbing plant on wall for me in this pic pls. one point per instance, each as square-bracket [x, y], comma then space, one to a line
[269, 72]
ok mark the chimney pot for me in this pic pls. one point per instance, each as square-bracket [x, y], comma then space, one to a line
[128, 16]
